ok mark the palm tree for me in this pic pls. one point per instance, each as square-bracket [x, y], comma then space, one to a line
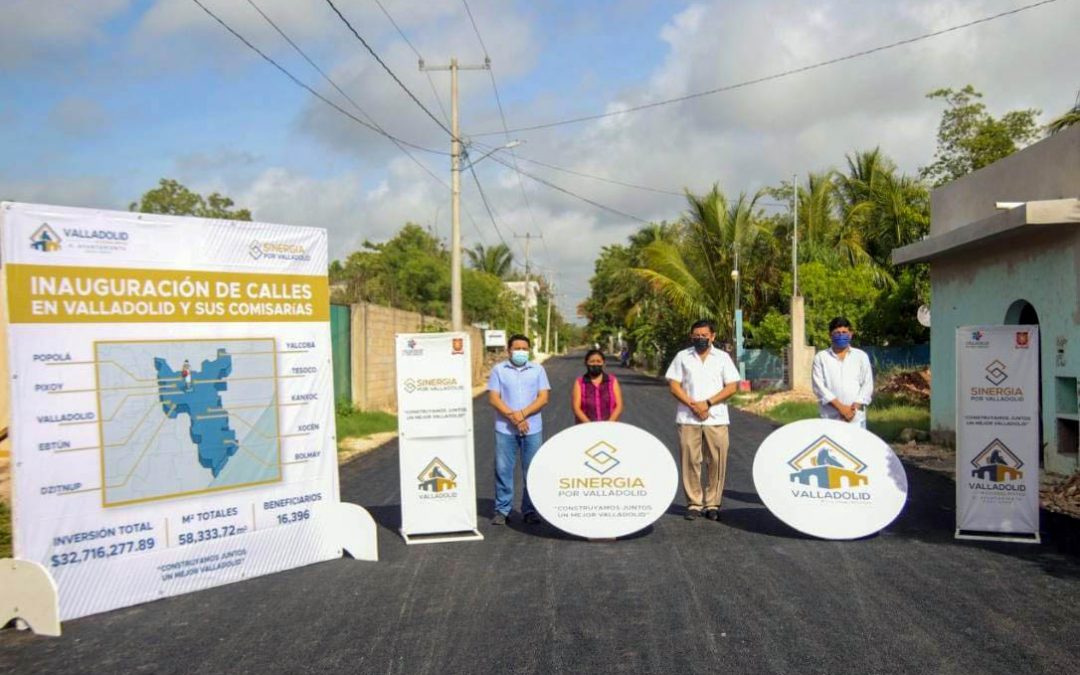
[694, 273]
[1069, 118]
[495, 260]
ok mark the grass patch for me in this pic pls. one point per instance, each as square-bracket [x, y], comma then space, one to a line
[356, 423]
[793, 411]
[5, 531]
[888, 422]
[887, 417]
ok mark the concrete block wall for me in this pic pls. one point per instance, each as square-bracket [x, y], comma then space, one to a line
[373, 360]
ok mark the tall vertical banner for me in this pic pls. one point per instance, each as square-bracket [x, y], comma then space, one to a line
[172, 402]
[435, 436]
[997, 431]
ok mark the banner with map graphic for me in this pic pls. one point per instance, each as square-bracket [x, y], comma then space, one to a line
[172, 402]
[435, 433]
[997, 429]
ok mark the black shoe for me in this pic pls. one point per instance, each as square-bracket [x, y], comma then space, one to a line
[713, 514]
[499, 519]
[532, 519]
[692, 514]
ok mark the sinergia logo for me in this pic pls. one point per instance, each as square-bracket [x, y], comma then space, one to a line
[828, 465]
[255, 250]
[410, 386]
[437, 477]
[997, 463]
[601, 458]
[45, 239]
[995, 373]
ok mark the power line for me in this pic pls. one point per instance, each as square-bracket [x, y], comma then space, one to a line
[419, 56]
[776, 76]
[563, 190]
[483, 198]
[348, 98]
[307, 88]
[502, 118]
[387, 69]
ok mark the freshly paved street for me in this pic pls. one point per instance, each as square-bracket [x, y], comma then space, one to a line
[744, 595]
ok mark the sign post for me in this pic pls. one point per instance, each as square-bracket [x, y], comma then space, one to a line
[435, 436]
[602, 480]
[173, 415]
[997, 433]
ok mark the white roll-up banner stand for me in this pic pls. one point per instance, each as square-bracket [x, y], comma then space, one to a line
[435, 437]
[172, 422]
[997, 433]
[830, 479]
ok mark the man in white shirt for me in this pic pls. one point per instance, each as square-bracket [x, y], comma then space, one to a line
[842, 377]
[701, 378]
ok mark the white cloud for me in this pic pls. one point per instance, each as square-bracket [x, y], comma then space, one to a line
[35, 30]
[78, 116]
[87, 192]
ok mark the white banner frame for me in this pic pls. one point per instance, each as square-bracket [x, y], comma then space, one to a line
[436, 457]
[997, 433]
[100, 291]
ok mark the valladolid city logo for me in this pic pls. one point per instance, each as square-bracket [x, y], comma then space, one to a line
[45, 239]
[833, 471]
[996, 468]
[437, 479]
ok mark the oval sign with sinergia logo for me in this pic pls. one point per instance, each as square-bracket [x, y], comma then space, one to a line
[830, 479]
[602, 480]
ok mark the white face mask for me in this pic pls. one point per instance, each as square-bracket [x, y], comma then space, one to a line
[519, 357]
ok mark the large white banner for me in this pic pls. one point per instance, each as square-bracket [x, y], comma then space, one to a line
[172, 423]
[435, 434]
[602, 480]
[830, 479]
[997, 429]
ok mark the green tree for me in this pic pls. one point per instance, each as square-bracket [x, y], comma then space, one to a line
[970, 138]
[1067, 119]
[494, 260]
[172, 198]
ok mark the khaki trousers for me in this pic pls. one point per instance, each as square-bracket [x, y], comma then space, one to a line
[690, 445]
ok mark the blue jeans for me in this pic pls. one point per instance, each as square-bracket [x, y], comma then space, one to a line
[506, 449]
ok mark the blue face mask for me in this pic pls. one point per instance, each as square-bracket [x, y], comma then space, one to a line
[519, 357]
[841, 340]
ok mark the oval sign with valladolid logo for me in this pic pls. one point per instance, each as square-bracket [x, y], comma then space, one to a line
[830, 479]
[602, 480]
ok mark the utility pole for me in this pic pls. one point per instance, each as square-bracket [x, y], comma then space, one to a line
[528, 290]
[795, 234]
[456, 320]
[547, 328]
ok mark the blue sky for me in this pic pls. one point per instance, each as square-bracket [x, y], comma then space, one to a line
[101, 99]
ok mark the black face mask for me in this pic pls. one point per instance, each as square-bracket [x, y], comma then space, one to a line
[701, 344]
[594, 370]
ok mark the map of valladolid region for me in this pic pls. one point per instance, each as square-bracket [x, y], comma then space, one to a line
[186, 417]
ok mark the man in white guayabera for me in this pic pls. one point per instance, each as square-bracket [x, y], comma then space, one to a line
[701, 378]
[842, 377]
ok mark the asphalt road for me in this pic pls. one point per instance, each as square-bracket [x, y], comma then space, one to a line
[745, 595]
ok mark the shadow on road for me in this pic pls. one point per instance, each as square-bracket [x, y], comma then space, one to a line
[759, 521]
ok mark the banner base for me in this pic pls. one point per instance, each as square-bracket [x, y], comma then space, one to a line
[355, 531]
[441, 537]
[1012, 537]
[30, 597]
